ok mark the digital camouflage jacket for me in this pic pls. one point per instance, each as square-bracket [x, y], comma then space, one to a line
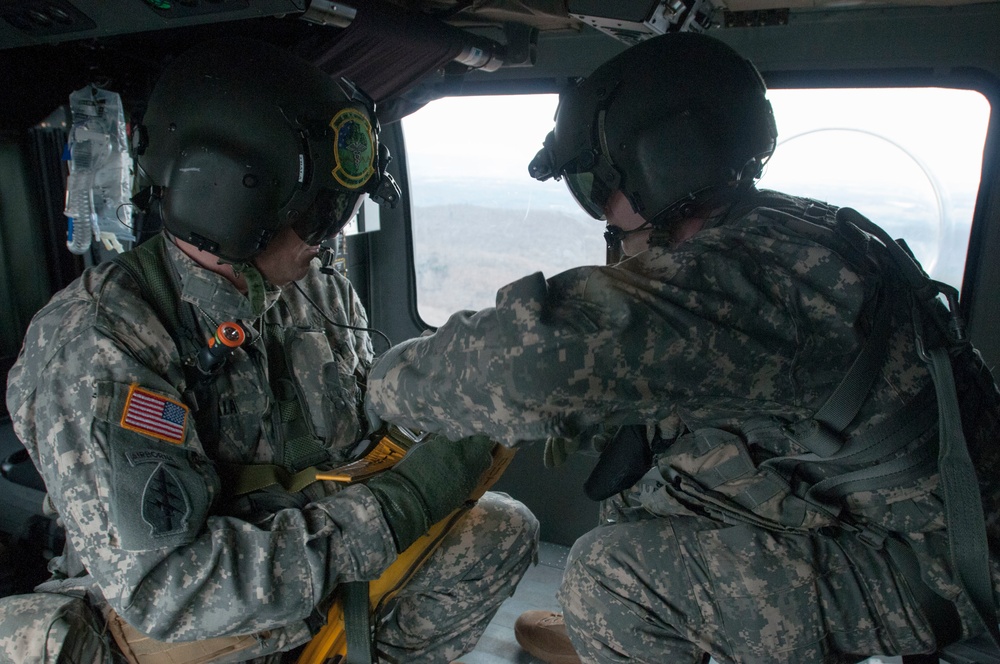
[724, 346]
[98, 397]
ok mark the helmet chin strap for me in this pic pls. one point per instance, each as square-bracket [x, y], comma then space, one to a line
[682, 209]
[679, 210]
[615, 235]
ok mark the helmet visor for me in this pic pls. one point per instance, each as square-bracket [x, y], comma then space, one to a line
[589, 191]
[328, 214]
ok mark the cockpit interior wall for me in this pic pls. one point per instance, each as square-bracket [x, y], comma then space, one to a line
[31, 194]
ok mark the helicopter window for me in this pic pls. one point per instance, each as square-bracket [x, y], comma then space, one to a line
[908, 158]
[479, 220]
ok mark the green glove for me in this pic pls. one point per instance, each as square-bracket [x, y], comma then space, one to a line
[434, 478]
[557, 450]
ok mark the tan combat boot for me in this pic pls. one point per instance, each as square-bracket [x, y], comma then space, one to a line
[543, 635]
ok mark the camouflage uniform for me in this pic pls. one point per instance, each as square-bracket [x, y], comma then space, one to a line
[158, 537]
[716, 345]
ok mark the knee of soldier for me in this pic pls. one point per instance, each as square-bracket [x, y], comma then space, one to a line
[513, 527]
[595, 547]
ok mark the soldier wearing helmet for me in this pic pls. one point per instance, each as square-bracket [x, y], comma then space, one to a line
[669, 142]
[756, 375]
[156, 453]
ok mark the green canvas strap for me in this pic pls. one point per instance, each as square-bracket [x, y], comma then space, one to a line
[242, 479]
[823, 433]
[967, 542]
[968, 547]
[150, 267]
[357, 622]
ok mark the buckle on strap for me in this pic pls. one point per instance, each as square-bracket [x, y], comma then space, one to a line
[873, 537]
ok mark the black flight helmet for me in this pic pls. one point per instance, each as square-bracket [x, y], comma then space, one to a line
[669, 122]
[241, 139]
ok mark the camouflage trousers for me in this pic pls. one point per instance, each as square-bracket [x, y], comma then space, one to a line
[444, 609]
[436, 618]
[655, 589]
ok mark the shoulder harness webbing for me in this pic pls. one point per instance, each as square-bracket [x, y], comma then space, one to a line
[823, 436]
[967, 539]
[149, 265]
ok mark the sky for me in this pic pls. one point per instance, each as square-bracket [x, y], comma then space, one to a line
[942, 129]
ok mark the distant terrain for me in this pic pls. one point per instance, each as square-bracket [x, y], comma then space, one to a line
[485, 236]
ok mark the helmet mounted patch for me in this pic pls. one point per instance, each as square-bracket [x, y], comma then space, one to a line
[248, 159]
[354, 149]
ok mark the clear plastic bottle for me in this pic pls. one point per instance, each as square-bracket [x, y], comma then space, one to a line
[88, 147]
[100, 172]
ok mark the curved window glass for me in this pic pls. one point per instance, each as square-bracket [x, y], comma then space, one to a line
[907, 158]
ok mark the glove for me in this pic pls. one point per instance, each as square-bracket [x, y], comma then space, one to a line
[557, 450]
[432, 480]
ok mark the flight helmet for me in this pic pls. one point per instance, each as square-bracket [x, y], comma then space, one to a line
[241, 139]
[669, 122]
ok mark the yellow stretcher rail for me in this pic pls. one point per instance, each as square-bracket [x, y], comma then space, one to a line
[329, 646]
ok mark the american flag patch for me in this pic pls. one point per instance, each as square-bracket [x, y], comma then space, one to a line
[154, 415]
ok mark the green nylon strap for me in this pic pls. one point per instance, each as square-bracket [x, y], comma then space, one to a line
[877, 442]
[970, 553]
[357, 622]
[823, 433]
[845, 402]
[256, 290]
[896, 472]
[244, 479]
[967, 541]
[148, 265]
[942, 614]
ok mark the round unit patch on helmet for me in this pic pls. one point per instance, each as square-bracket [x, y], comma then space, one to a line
[355, 148]
[244, 139]
[666, 122]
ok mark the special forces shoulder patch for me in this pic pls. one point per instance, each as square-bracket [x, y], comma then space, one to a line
[166, 507]
[155, 415]
[354, 149]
